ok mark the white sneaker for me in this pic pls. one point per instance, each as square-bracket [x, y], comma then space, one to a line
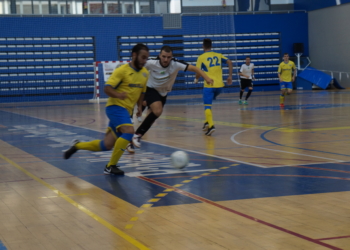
[130, 148]
[136, 140]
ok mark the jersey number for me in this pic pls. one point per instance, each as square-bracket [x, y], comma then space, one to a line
[213, 60]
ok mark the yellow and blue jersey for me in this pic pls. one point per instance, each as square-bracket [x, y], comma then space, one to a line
[211, 63]
[129, 80]
[286, 70]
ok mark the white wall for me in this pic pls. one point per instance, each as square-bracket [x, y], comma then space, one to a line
[282, 1]
[228, 2]
[329, 40]
[206, 2]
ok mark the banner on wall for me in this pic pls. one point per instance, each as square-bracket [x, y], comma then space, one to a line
[109, 67]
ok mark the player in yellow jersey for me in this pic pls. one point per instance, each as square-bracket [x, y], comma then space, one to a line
[125, 88]
[285, 71]
[211, 63]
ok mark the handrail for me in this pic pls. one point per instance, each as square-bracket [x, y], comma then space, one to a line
[160, 14]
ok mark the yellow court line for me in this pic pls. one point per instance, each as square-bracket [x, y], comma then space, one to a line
[241, 125]
[80, 207]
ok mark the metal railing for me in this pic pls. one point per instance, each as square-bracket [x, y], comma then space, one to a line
[159, 15]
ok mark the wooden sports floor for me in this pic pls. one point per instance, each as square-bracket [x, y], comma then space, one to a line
[268, 178]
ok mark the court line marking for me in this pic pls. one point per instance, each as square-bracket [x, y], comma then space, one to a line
[204, 200]
[335, 238]
[214, 156]
[95, 130]
[262, 175]
[262, 136]
[55, 196]
[275, 150]
[242, 125]
[94, 216]
[188, 179]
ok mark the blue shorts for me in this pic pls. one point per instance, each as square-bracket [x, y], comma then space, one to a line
[286, 85]
[118, 116]
[210, 94]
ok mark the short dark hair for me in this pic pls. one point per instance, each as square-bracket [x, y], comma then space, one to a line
[207, 43]
[247, 57]
[167, 49]
[138, 47]
[285, 54]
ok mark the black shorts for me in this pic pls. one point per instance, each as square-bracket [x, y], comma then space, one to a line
[153, 95]
[246, 83]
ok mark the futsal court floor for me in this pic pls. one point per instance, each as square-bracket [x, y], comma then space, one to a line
[268, 178]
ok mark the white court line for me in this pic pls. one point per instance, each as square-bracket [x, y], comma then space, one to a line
[301, 164]
[275, 150]
[218, 157]
[214, 156]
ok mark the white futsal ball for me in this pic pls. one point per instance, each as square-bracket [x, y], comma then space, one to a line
[179, 159]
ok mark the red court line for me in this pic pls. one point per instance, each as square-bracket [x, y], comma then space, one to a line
[342, 163]
[196, 197]
[334, 238]
[326, 169]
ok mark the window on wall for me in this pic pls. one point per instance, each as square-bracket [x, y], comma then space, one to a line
[161, 6]
[175, 6]
[127, 7]
[112, 8]
[63, 7]
[252, 5]
[95, 7]
[144, 7]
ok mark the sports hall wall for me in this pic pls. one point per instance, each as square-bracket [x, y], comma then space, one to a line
[317, 4]
[329, 41]
[101, 34]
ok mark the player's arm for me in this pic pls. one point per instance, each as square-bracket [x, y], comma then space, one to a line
[279, 73]
[112, 84]
[230, 69]
[141, 99]
[109, 90]
[294, 73]
[253, 77]
[139, 105]
[200, 73]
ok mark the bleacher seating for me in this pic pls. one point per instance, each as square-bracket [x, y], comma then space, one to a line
[46, 68]
[263, 48]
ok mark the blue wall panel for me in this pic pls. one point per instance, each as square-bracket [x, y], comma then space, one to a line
[293, 27]
[314, 5]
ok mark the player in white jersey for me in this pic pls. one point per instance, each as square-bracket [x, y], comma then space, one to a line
[246, 73]
[163, 71]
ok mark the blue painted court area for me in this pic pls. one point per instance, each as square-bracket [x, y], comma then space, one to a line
[2, 246]
[46, 140]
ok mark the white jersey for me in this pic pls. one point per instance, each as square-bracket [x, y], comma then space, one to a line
[247, 70]
[162, 78]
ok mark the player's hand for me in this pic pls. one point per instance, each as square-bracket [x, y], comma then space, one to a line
[195, 81]
[139, 112]
[229, 80]
[281, 80]
[293, 79]
[122, 95]
[210, 81]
